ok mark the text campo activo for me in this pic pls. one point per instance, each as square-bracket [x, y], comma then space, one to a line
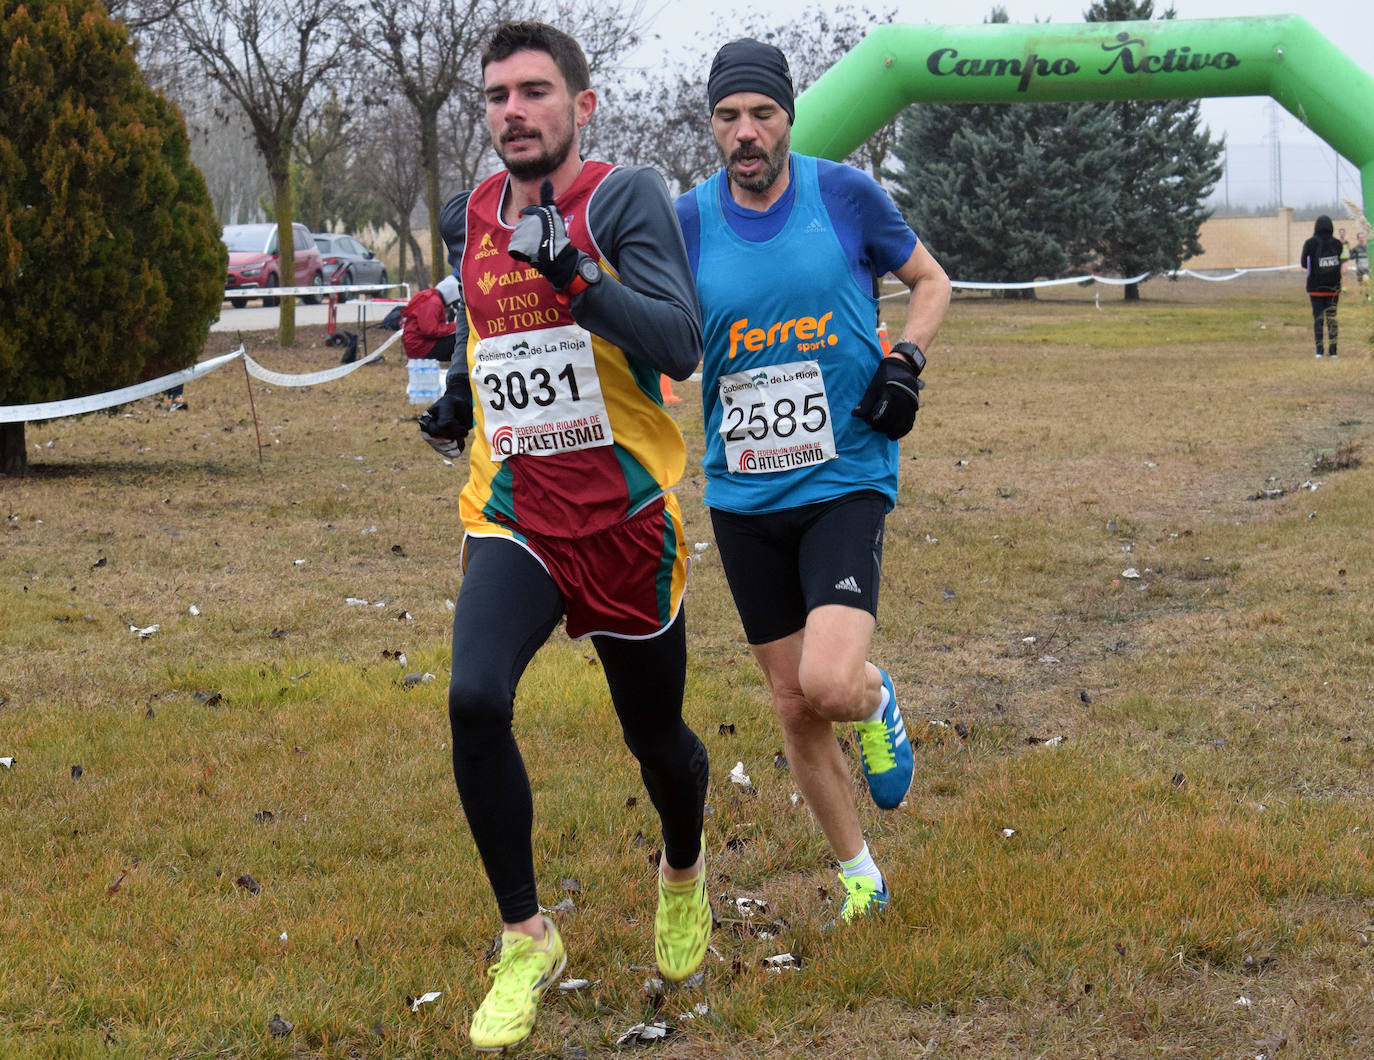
[1124, 51]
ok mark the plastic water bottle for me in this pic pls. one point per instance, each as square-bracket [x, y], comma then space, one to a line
[425, 383]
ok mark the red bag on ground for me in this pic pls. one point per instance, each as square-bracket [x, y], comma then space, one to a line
[426, 328]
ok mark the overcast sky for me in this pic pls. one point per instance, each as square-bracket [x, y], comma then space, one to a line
[1312, 172]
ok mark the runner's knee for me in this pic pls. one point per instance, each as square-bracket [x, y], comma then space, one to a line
[476, 705]
[833, 693]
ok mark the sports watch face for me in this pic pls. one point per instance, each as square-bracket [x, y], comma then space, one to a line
[589, 270]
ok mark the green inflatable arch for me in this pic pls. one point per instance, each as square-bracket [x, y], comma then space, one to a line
[1284, 57]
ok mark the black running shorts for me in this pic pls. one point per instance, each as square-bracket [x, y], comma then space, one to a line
[782, 565]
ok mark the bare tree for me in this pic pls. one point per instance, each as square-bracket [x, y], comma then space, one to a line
[389, 170]
[425, 46]
[223, 150]
[431, 50]
[268, 56]
[143, 15]
[325, 141]
[814, 41]
[660, 118]
[662, 124]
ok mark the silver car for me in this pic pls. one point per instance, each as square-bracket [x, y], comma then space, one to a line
[346, 261]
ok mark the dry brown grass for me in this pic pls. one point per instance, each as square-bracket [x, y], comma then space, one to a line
[1201, 833]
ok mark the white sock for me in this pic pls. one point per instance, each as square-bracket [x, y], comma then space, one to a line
[862, 864]
[883, 701]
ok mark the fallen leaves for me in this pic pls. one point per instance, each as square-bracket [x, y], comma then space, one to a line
[644, 1032]
[782, 962]
[423, 999]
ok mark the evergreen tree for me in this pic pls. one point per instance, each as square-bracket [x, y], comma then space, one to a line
[111, 267]
[1007, 192]
[1004, 193]
[1165, 166]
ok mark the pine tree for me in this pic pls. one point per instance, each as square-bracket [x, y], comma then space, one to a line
[1003, 193]
[111, 267]
[1166, 165]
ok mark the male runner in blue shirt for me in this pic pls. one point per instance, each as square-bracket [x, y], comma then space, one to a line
[803, 413]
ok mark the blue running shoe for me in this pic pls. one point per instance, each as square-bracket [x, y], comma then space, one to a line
[886, 753]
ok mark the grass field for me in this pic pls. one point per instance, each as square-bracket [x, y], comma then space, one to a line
[1126, 601]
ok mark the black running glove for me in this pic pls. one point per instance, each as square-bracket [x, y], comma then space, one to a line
[541, 239]
[446, 423]
[889, 404]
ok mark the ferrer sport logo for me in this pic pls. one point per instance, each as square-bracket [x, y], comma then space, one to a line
[806, 333]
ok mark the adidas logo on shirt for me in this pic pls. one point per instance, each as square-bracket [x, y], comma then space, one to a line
[814, 226]
[848, 584]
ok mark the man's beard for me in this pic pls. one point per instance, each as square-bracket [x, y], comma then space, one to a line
[775, 162]
[540, 165]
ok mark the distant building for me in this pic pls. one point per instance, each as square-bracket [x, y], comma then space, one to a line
[1257, 241]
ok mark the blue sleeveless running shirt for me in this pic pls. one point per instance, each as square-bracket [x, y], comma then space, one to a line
[786, 301]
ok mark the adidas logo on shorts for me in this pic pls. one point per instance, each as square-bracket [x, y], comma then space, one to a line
[848, 585]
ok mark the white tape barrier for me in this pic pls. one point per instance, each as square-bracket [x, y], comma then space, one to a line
[1234, 274]
[1112, 281]
[322, 292]
[54, 410]
[969, 285]
[328, 375]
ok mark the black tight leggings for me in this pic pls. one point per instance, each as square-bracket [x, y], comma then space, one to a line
[1324, 309]
[507, 608]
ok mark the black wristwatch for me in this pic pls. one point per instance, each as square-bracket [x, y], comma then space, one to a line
[588, 274]
[912, 353]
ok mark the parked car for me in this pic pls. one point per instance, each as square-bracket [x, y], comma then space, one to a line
[254, 262]
[347, 261]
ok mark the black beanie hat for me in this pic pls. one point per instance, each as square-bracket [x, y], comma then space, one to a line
[751, 66]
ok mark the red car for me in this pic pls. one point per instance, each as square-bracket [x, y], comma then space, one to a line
[254, 262]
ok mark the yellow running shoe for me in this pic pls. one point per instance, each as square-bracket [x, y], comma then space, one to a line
[523, 973]
[861, 897]
[682, 926]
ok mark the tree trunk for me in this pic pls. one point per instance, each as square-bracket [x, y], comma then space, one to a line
[280, 175]
[1132, 292]
[421, 271]
[429, 159]
[14, 457]
[403, 237]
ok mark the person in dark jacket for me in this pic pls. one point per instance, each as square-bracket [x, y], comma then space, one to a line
[1321, 257]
